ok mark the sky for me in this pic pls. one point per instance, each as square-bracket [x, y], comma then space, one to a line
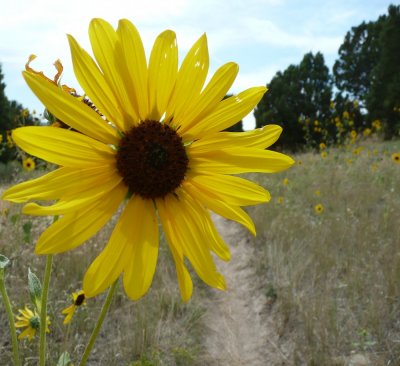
[262, 36]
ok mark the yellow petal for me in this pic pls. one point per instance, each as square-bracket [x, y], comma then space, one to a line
[210, 97]
[104, 40]
[133, 55]
[190, 80]
[62, 182]
[22, 322]
[142, 233]
[163, 66]
[63, 147]
[191, 236]
[114, 258]
[27, 333]
[227, 113]
[233, 190]
[212, 202]
[259, 138]
[78, 201]
[69, 312]
[71, 110]
[216, 244]
[184, 280]
[75, 228]
[239, 160]
[95, 85]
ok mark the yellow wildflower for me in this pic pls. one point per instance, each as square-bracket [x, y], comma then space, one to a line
[318, 209]
[28, 164]
[31, 321]
[78, 299]
[168, 123]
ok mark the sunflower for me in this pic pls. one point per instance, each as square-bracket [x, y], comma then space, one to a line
[28, 164]
[78, 299]
[153, 146]
[396, 157]
[31, 321]
[318, 209]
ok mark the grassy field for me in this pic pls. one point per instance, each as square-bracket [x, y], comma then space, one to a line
[334, 275]
[330, 277]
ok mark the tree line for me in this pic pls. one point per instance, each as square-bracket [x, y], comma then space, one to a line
[362, 95]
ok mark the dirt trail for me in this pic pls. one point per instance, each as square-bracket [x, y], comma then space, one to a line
[240, 327]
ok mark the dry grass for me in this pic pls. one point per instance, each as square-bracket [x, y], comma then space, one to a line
[332, 279]
[335, 276]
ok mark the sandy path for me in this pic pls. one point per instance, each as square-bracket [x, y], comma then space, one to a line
[240, 327]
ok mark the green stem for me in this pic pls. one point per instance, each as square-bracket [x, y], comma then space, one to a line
[99, 323]
[10, 315]
[43, 311]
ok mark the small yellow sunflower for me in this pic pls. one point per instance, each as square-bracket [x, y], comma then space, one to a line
[28, 164]
[31, 321]
[396, 157]
[285, 181]
[318, 209]
[152, 145]
[280, 199]
[78, 299]
[317, 192]
[322, 146]
[324, 154]
[367, 132]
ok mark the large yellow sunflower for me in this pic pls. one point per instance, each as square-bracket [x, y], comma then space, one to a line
[153, 144]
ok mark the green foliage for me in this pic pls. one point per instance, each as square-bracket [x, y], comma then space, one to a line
[368, 69]
[358, 56]
[383, 98]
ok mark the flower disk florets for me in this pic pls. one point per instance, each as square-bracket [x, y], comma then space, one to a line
[152, 160]
[34, 322]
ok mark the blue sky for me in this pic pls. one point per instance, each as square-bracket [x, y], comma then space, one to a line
[262, 36]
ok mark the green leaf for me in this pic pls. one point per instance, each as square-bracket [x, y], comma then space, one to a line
[4, 262]
[35, 289]
[64, 359]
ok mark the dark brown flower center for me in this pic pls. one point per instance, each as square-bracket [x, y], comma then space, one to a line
[79, 299]
[152, 160]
